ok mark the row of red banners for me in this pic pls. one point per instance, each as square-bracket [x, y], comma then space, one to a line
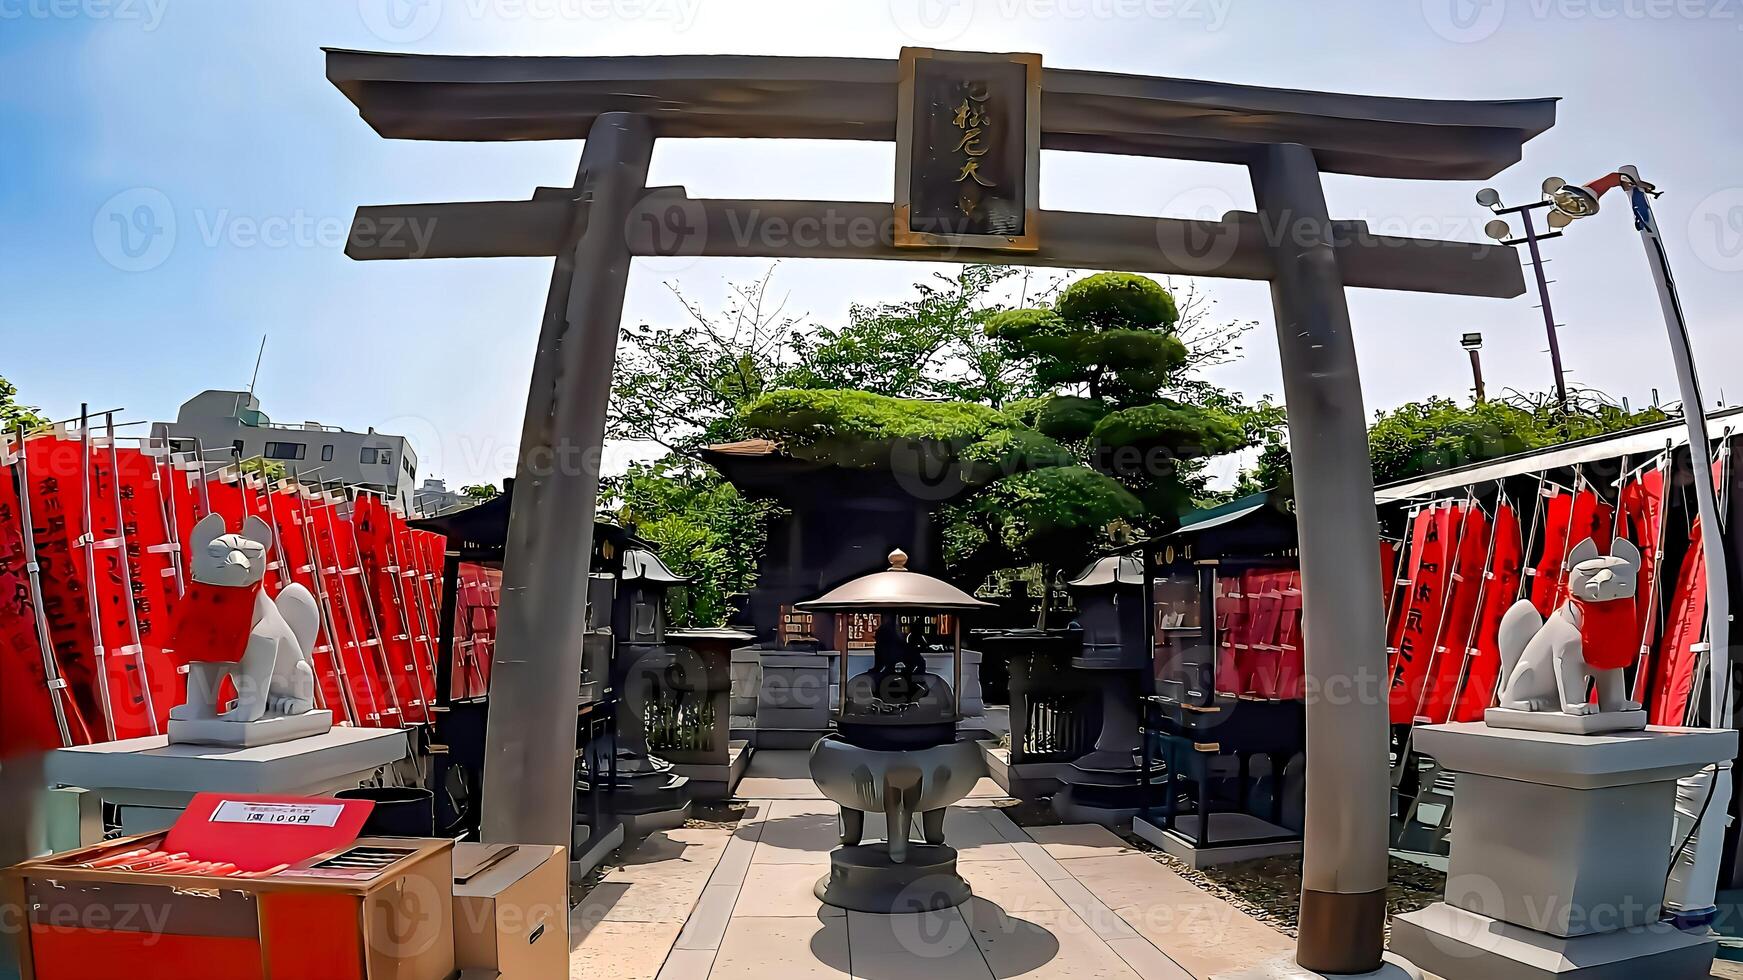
[1448, 583]
[92, 579]
[1461, 567]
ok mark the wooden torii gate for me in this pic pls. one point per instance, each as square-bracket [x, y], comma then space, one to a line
[597, 226]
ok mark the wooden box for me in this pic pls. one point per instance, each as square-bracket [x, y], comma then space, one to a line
[375, 909]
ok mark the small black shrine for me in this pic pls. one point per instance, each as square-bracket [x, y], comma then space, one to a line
[477, 536]
[1229, 682]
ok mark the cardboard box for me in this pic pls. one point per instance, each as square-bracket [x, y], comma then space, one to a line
[511, 909]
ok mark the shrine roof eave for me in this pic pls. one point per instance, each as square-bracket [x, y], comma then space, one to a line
[472, 98]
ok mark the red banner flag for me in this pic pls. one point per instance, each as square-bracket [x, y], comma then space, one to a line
[1641, 520]
[360, 654]
[294, 538]
[1478, 691]
[1684, 635]
[55, 468]
[27, 715]
[1458, 629]
[150, 573]
[1415, 632]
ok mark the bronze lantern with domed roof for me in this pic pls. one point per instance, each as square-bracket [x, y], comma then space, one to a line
[896, 749]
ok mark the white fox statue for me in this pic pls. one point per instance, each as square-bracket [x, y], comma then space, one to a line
[1546, 665]
[227, 627]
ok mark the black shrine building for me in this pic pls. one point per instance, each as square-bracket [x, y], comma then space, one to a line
[835, 523]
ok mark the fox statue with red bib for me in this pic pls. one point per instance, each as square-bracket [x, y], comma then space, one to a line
[1547, 665]
[226, 627]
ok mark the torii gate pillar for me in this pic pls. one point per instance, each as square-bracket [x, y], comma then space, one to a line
[1343, 888]
[543, 618]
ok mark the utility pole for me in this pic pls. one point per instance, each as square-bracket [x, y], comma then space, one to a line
[1498, 229]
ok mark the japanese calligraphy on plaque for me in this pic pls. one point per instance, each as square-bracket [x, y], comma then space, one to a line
[968, 148]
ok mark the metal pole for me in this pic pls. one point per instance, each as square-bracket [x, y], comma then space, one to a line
[1548, 314]
[127, 577]
[200, 468]
[1344, 860]
[87, 545]
[1702, 856]
[166, 504]
[1700, 452]
[324, 604]
[529, 789]
[379, 637]
[1477, 374]
[57, 685]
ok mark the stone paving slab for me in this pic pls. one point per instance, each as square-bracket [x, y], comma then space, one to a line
[1201, 932]
[1044, 943]
[1079, 841]
[782, 948]
[1072, 901]
[914, 946]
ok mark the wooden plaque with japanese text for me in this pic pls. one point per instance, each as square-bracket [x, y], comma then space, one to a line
[968, 150]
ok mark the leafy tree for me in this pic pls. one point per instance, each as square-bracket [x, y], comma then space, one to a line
[1111, 341]
[480, 491]
[934, 345]
[14, 414]
[1439, 433]
[682, 385]
[1040, 428]
[1044, 479]
[1435, 434]
[702, 527]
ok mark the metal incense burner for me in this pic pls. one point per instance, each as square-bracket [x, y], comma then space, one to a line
[896, 750]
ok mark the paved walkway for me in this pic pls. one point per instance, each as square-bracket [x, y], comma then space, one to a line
[1074, 901]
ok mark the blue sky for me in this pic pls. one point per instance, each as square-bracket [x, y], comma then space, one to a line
[215, 115]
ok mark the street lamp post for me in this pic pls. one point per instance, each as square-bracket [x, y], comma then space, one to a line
[1690, 892]
[1497, 229]
[1473, 345]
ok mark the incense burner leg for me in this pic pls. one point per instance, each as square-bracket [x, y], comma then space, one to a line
[901, 792]
[932, 825]
[852, 826]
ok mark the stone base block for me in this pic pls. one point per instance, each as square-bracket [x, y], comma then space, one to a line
[245, 734]
[1234, 837]
[1393, 968]
[862, 878]
[1453, 943]
[1565, 724]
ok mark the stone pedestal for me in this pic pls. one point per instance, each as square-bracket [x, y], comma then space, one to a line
[648, 793]
[972, 704]
[701, 747]
[1106, 785]
[747, 680]
[793, 697]
[1560, 847]
[152, 780]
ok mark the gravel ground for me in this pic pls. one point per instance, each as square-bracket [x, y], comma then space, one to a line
[723, 814]
[1269, 889]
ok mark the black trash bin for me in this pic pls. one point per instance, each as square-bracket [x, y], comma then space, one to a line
[400, 811]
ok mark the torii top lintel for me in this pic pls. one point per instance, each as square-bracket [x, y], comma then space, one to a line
[472, 98]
